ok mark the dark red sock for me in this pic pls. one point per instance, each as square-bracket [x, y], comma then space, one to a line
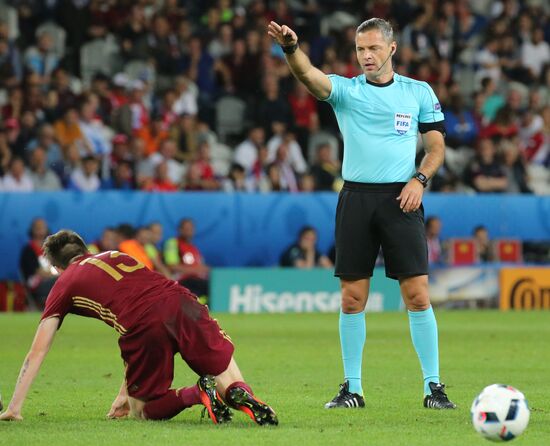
[240, 384]
[171, 403]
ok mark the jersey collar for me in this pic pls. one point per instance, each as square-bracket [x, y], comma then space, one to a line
[385, 84]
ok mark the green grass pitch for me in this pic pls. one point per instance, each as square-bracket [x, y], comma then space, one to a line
[293, 362]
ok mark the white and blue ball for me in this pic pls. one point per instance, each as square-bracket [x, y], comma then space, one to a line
[500, 412]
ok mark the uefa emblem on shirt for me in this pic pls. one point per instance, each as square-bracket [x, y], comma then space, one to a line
[402, 122]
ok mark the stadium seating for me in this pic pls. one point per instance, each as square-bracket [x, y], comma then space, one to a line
[230, 114]
[508, 250]
[13, 296]
[462, 251]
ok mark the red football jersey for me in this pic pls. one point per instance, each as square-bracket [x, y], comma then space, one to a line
[111, 286]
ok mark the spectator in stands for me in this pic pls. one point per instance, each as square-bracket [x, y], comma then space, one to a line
[483, 244]
[272, 107]
[515, 168]
[37, 272]
[43, 178]
[67, 129]
[17, 178]
[203, 165]
[163, 46]
[283, 135]
[85, 178]
[416, 34]
[304, 253]
[132, 115]
[14, 104]
[535, 53]
[503, 126]
[258, 177]
[161, 182]
[95, 133]
[186, 97]
[185, 261]
[201, 69]
[153, 135]
[122, 177]
[5, 154]
[129, 244]
[236, 179]
[166, 153]
[493, 101]
[531, 136]
[487, 58]
[14, 138]
[486, 173]
[42, 58]
[304, 111]
[326, 171]
[287, 175]
[433, 239]
[460, 124]
[133, 35]
[61, 84]
[46, 140]
[10, 65]
[246, 153]
[108, 241]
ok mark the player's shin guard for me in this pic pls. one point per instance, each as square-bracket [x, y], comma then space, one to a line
[171, 403]
[424, 337]
[353, 333]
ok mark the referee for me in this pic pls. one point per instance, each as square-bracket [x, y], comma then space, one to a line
[379, 114]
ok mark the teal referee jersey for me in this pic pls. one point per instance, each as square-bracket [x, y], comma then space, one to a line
[380, 123]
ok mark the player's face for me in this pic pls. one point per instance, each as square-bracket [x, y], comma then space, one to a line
[372, 51]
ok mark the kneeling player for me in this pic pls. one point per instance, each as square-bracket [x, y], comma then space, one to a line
[156, 319]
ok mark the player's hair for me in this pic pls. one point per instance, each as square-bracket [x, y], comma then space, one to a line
[380, 24]
[60, 248]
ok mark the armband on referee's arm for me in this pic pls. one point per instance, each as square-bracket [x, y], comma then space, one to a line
[425, 127]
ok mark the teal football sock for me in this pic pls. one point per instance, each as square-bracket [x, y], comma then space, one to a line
[353, 332]
[424, 337]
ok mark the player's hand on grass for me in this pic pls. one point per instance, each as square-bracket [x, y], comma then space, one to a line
[120, 408]
[8, 415]
[411, 196]
[283, 35]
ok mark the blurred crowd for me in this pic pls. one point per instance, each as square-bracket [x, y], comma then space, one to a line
[166, 95]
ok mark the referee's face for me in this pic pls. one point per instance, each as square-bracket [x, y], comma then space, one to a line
[373, 52]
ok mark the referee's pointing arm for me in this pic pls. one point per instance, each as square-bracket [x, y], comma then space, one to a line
[315, 80]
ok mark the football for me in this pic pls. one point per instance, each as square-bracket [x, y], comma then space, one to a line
[500, 412]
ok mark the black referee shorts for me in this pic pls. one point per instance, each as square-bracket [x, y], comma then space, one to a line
[368, 217]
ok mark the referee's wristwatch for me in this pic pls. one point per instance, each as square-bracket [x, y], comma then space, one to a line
[422, 178]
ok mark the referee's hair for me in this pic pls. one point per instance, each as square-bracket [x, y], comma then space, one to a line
[60, 248]
[380, 24]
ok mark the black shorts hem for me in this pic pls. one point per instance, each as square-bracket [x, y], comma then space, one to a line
[358, 275]
[397, 276]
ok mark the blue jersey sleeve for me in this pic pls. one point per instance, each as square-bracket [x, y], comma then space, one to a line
[337, 92]
[430, 108]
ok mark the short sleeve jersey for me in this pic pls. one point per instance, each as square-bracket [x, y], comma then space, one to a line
[379, 124]
[110, 286]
